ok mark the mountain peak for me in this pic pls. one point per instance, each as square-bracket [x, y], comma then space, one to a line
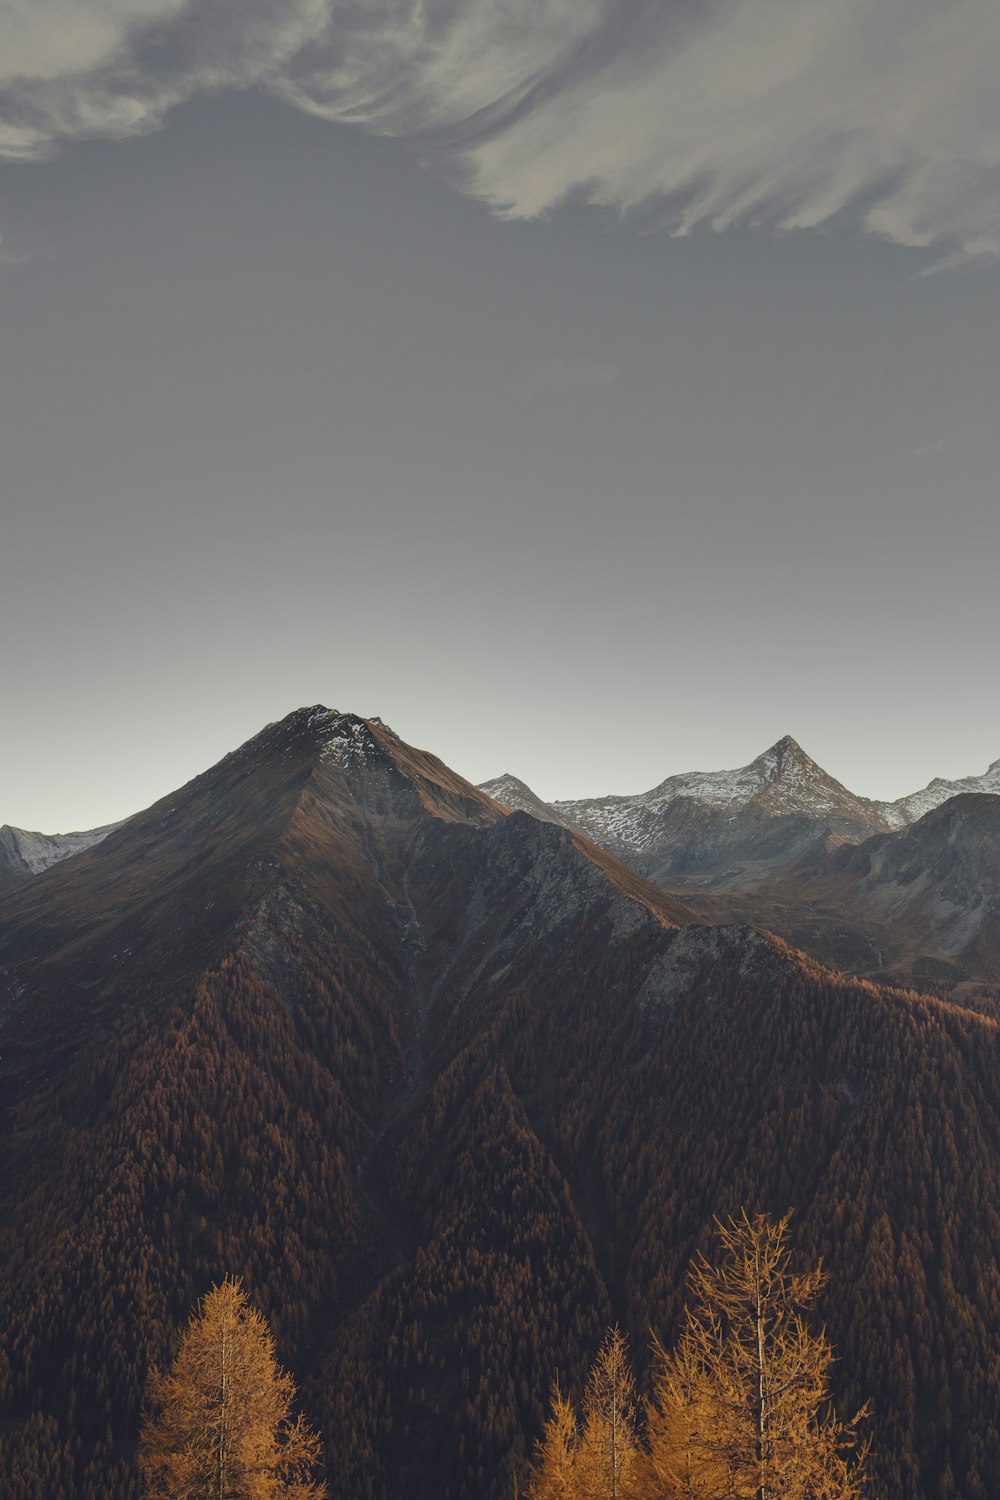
[343, 739]
[787, 746]
[784, 755]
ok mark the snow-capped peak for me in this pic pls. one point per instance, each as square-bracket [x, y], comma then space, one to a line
[346, 740]
[783, 782]
[803, 785]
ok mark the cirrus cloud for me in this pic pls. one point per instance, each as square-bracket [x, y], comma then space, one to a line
[879, 115]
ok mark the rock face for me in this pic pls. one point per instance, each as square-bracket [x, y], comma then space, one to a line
[332, 808]
[517, 795]
[919, 905]
[23, 853]
[691, 823]
[933, 887]
[452, 1089]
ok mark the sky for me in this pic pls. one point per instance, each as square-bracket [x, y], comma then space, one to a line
[593, 389]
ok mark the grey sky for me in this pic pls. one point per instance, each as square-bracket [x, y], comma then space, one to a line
[291, 413]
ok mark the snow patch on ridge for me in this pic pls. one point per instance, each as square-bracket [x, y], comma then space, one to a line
[909, 809]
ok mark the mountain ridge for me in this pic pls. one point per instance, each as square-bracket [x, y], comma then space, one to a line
[726, 786]
[783, 780]
[699, 822]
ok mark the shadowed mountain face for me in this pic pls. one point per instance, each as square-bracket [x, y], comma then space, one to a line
[933, 888]
[920, 905]
[324, 810]
[451, 1089]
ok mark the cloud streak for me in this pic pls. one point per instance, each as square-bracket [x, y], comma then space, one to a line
[561, 375]
[870, 115]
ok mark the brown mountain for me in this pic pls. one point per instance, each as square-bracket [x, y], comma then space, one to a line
[451, 1089]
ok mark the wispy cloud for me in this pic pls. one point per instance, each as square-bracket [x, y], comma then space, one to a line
[956, 438]
[560, 375]
[876, 115]
[10, 257]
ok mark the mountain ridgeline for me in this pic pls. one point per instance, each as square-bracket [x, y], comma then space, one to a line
[451, 1088]
[707, 821]
[781, 844]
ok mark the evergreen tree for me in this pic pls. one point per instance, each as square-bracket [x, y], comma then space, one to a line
[608, 1459]
[741, 1407]
[553, 1473]
[219, 1424]
[603, 1460]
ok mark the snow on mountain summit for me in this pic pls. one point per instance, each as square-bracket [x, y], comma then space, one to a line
[345, 739]
[784, 766]
[783, 779]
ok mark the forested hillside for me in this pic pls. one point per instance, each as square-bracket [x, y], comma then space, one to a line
[451, 1096]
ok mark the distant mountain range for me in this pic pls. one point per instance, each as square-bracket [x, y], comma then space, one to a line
[453, 1088]
[781, 843]
[685, 824]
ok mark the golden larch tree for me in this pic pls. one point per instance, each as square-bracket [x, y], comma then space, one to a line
[219, 1424]
[601, 1458]
[741, 1408]
[552, 1475]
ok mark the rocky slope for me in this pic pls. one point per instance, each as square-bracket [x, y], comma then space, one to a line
[900, 890]
[931, 890]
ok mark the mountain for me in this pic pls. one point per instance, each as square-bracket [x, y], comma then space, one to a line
[511, 792]
[726, 825]
[451, 1089]
[916, 906]
[908, 809]
[929, 892]
[321, 804]
[782, 845]
[23, 854]
[644, 829]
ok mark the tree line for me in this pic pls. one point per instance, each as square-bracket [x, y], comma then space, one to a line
[740, 1408]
